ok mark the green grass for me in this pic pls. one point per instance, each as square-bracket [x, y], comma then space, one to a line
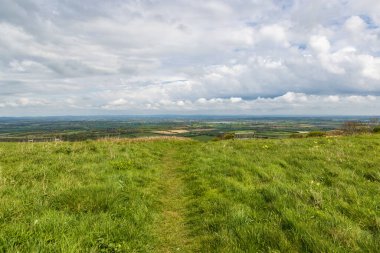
[314, 195]
[284, 195]
[78, 197]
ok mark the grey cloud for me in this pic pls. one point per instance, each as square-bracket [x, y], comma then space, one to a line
[134, 52]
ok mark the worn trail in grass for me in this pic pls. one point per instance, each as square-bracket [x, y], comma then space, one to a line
[171, 227]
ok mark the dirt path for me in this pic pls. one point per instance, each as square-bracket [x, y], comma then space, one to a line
[171, 228]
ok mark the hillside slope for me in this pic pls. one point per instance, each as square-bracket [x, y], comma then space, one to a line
[288, 195]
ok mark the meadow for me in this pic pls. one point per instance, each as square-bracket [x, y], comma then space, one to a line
[179, 195]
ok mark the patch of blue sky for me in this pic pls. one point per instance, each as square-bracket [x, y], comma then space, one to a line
[284, 4]
[252, 23]
[368, 20]
[300, 46]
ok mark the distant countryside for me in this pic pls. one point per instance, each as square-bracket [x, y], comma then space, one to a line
[202, 128]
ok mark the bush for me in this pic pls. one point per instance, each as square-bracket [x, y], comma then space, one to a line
[316, 134]
[227, 136]
[376, 130]
[334, 132]
[297, 135]
[354, 127]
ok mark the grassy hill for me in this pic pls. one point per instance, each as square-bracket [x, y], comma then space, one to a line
[286, 195]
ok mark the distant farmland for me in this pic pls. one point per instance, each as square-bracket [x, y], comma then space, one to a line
[202, 128]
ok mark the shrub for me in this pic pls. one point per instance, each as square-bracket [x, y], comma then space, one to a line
[354, 127]
[297, 135]
[334, 132]
[376, 129]
[316, 134]
[227, 136]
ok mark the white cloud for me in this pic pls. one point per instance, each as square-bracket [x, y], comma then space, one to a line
[137, 56]
[291, 97]
[23, 102]
[274, 33]
[355, 24]
[332, 98]
[320, 44]
[290, 103]
[370, 66]
[236, 99]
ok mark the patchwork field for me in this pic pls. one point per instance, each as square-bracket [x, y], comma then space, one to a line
[178, 195]
[201, 128]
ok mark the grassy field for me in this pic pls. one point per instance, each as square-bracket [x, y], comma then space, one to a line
[283, 195]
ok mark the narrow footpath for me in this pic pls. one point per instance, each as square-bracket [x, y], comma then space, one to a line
[171, 229]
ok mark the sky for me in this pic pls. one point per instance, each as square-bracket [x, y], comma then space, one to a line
[251, 57]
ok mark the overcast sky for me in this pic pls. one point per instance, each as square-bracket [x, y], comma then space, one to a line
[259, 57]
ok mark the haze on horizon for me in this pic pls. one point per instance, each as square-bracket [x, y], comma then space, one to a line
[94, 57]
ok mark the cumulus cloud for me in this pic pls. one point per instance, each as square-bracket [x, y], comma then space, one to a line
[355, 24]
[290, 103]
[254, 57]
[23, 102]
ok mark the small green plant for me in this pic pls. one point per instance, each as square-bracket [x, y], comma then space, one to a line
[125, 164]
[108, 247]
[64, 149]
